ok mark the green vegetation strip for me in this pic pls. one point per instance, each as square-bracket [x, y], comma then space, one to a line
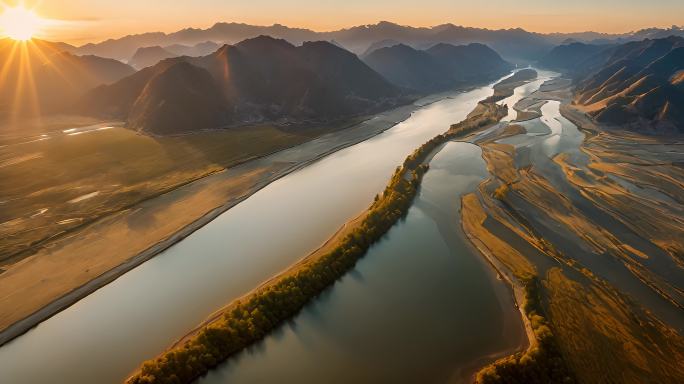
[250, 320]
[543, 363]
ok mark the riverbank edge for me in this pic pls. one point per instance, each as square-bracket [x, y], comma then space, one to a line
[476, 121]
[517, 290]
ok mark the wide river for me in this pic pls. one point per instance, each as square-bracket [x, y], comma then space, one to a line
[420, 307]
[103, 338]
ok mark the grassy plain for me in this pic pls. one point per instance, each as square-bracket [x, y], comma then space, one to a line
[69, 180]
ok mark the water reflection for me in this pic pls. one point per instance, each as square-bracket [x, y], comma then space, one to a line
[425, 308]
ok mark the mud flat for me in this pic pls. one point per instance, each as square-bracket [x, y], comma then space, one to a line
[596, 215]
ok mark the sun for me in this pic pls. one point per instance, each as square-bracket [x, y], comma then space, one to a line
[19, 23]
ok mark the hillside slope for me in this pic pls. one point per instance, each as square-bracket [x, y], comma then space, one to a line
[40, 77]
[637, 85]
[567, 57]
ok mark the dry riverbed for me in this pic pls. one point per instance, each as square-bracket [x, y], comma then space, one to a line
[598, 218]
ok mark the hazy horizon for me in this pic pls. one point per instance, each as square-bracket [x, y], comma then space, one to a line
[80, 22]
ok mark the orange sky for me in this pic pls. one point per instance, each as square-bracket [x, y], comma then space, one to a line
[81, 21]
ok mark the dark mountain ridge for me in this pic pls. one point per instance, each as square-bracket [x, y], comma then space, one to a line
[259, 79]
[410, 68]
[470, 63]
[442, 67]
[567, 57]
[180, 98]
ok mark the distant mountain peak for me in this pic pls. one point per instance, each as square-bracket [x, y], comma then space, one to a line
[148, 56]
[264, 41]
[443, 66]
[385, 23]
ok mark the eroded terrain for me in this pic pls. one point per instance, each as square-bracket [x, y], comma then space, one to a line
[596, 215]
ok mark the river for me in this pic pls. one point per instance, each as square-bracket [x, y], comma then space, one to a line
[103, 338]
[421, 306]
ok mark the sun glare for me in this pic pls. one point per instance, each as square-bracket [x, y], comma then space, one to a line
[19, 23]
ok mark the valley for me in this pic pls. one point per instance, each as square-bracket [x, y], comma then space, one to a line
[339, 202]
[531, 155]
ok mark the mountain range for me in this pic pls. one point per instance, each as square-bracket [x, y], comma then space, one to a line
[259, 79]
[615, 38]
[188, 82]
[267, 79]
[438, 68]
[148, 56]
[514, 44]
[639, 85]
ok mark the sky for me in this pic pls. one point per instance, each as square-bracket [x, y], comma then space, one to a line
[82, 21]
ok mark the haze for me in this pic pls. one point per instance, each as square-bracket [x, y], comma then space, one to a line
[82, 21]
